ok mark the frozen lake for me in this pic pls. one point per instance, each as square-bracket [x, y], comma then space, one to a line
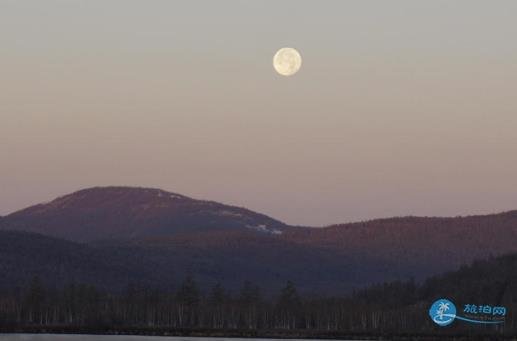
[63, 337]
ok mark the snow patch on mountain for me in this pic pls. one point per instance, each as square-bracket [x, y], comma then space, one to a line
[264, 229]
[229, 213]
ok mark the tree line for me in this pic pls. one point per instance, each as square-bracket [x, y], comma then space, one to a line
[385, 308]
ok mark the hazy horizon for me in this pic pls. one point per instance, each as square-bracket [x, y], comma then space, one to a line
[252, 209]
[400, 108]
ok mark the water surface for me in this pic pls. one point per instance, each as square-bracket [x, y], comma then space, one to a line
[64, 337]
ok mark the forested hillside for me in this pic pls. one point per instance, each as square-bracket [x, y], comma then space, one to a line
[390, 308]
[154, 236]
[25, 255]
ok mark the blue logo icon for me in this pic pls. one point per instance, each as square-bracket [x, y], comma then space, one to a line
[443, 312]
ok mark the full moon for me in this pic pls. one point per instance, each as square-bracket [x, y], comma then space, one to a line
[287, 61]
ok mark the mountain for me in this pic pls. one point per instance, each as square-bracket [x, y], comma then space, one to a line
[114, 266]
[350, 256]
[164, 236]
[25, 255]
[127, 213]
[418, 246]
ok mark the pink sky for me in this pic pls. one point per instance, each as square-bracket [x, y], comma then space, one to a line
[400, 107]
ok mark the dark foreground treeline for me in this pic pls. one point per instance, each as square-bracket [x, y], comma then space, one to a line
[399, 308]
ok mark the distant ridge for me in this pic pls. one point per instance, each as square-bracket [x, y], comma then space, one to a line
[228, 244]
[57, 262]
[130, 212]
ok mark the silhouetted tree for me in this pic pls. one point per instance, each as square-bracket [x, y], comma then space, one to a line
[217, 301]
[249, 303]
[288, 306]
[188, 300]
[35, 301]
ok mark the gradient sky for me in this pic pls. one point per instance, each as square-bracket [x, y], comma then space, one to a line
[401, 107]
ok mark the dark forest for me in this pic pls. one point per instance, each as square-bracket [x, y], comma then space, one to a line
[384, 309]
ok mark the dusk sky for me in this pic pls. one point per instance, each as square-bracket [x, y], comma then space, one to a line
[400, 107]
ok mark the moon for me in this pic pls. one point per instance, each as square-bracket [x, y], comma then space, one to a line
[287, 61]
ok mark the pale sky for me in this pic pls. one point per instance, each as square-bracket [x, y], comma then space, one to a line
[400, 108]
